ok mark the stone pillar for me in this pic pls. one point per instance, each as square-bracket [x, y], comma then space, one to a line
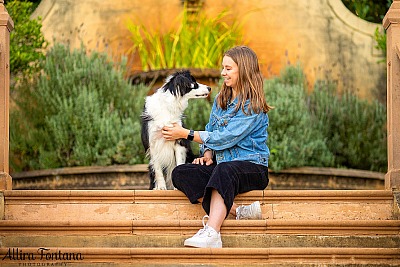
[391, 23]
[6, 26]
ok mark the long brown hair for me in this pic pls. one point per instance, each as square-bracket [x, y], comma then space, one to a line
[249, 84]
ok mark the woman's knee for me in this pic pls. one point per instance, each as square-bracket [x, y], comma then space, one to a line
[177, 174]
[180, 173]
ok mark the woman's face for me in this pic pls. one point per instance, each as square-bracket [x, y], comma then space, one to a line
[230, 72]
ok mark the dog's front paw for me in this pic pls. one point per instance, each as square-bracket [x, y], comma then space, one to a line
[160, 186]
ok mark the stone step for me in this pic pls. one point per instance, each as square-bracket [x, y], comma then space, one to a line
[285, 256]
[70, 205]
[257, 233]
[147, 228]
[189, 227]
[229, 241]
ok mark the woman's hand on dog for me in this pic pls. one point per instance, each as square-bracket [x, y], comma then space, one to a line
[174, 132]
[203, 161]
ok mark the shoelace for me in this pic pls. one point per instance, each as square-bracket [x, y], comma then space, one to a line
[205, 216]
[204, 226]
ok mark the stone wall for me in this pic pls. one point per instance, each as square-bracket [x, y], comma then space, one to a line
[130, 177]
[326, 38]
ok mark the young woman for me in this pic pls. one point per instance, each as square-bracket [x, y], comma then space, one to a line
[234, 151]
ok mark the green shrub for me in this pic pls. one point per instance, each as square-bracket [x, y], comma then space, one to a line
[79, 112]
[26, 40]
[380, 39]
[355, 129]
[324, 128]
[293, 141]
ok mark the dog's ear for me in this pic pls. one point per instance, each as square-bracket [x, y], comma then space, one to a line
[182, 84]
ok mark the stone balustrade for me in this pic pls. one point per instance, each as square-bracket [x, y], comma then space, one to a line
[6, 26]
[391, 23]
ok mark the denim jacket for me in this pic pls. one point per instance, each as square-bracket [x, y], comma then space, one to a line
[235, 135]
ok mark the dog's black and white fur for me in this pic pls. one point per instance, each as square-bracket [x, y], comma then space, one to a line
[164, 107]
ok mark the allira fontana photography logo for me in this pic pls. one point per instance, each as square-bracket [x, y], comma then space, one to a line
[41, 254]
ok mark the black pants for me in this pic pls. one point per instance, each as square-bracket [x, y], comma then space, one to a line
[228, 178]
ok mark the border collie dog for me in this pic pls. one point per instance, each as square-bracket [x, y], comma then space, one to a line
[164, 107]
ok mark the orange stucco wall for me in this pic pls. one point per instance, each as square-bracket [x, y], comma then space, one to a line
[323, 36]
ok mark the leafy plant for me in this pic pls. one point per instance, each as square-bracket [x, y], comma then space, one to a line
[26, 40]
[380, 39]
[355, 129]
[324, 128]
[293, 140]
[197, 42]
[373, 11]
[79, 112]
[370, 10]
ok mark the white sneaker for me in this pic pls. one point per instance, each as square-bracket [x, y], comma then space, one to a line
[205, 238]
[249, 212]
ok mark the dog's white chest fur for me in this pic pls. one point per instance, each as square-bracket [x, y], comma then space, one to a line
[165, 110]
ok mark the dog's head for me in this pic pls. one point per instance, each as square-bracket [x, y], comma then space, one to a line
[183, 84]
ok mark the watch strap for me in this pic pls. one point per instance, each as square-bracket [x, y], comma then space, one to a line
[190, 136]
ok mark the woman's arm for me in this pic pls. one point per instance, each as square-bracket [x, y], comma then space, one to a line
[228, 133]
[178, 132]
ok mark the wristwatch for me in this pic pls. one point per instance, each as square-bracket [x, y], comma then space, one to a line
[190, 136]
